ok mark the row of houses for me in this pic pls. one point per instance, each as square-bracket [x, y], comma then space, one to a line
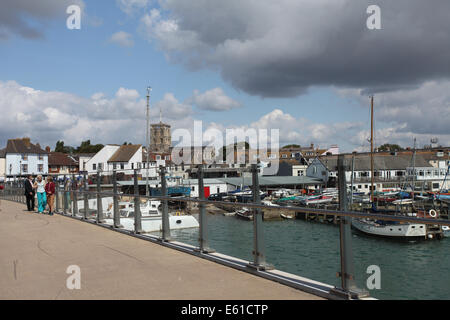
[427, 168]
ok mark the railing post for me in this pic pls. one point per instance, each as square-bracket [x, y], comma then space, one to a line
[65, 193]
[348, 289]
[116, 202]
[75, 197]
[100, 218]
[57, 196]
[137, 205]
[259, 256]
[86, 197]
[165, 213]
[203, 232]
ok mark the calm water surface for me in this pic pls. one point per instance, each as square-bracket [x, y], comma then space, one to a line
[409, 270]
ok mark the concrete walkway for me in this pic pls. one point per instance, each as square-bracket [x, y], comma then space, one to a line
[35, 251]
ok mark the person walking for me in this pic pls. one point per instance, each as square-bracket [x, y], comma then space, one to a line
[29, 193]
[50, 192]
[39, 185]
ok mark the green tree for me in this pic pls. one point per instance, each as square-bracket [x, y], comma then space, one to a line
[59, 146]
[390, 148]
[87, 147]
[291, 146]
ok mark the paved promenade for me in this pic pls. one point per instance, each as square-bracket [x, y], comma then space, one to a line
[35, 251]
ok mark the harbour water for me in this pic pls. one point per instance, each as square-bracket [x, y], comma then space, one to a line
[409, 270]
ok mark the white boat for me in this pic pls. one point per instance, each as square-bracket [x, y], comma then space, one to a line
[245, 214]
[285, 216]
[390, 230]
[317, 200]
[151, 217]
[269, 203]
[402, 201]
[446, 230]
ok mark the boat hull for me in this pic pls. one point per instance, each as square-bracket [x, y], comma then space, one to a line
[154, 224]
[397, 231]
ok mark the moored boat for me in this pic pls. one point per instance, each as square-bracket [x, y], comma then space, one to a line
[390, 229]
[245, 214]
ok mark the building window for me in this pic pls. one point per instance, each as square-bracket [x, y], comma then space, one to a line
[40, 168]
[132, 166]
[100, 166]
[114, 166]
[25, 157]
[24, 168]
[41, 157]
[122, 166]
[94, 167]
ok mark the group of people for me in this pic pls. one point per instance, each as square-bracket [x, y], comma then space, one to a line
[45, 191]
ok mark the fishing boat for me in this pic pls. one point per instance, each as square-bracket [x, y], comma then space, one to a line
[390, 229]
[287, 217]
[245, 214]
[387, 229]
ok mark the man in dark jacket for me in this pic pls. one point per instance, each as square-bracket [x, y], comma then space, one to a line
[29, 193]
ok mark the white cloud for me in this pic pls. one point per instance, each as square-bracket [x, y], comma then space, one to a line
[422, 113]
[49, 116]
[213, 100]
[170, 108]
[131, 6]
[122, 39]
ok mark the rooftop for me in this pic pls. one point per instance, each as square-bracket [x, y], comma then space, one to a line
[61, 159]
[124, 153]
[23, 146]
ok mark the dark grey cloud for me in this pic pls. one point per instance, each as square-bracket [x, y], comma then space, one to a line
[281, 48]
[28, 18]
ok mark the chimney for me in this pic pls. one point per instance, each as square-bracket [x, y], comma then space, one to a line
[312, 145]
[27, 142]
[47, 149]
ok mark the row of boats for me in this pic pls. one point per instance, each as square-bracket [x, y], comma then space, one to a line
[381, 228]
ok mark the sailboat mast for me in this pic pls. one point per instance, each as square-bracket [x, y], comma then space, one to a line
[414, 171]
[147, 129]
[371, 150]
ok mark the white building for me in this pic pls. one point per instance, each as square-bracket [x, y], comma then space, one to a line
[2, 165]
[83, 159]
[212, 186]
[23, 158]
[390, 171]
[299, 170]
[115, 157]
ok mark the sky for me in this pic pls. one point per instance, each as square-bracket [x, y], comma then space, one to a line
[304, 67]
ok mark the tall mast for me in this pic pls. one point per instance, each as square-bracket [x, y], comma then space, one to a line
[371, 149]
[414, 171]
[147, 129]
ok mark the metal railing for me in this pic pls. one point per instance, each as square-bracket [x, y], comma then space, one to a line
[68, 206]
